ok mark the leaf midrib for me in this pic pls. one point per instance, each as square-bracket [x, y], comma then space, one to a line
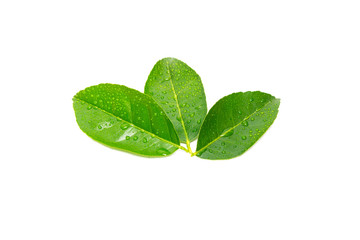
[178, 106]
[232, 128]
[151, 134]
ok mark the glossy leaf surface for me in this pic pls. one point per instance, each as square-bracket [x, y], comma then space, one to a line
[178, 90]
[235, 123]
[123, 118]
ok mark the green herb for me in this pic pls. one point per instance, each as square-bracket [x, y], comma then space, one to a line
[178, 90]
[124, 118]
[171, 111]
[235, 123]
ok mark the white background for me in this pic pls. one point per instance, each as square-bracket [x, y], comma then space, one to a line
[300, 181]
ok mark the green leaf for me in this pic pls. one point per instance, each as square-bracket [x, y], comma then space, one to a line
[126, 119]
[178, 90]
[235, 123]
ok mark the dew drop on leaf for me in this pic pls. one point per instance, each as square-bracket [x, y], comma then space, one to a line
[127, 138]
[163, 151]
[124, 126]
[227, 132]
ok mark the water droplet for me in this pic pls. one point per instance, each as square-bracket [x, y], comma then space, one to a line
[191, 115]
[100, 127]
[222, 144]
[127, 138]
[163, 151]
[223, 152]
[89, 107]
[164, 92]
[227, 132]
[240, 112]
[210, 150]
[198, 121]
[243, 137]
[252, 119]
[188, 121]
[251, 99]
[124, 126]
[174, 110]
[144, 140]
[135, 138]
[245, 123]
[162, 97]
[178, 118]
[95, 102]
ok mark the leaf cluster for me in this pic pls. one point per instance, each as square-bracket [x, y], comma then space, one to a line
[171, 111]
